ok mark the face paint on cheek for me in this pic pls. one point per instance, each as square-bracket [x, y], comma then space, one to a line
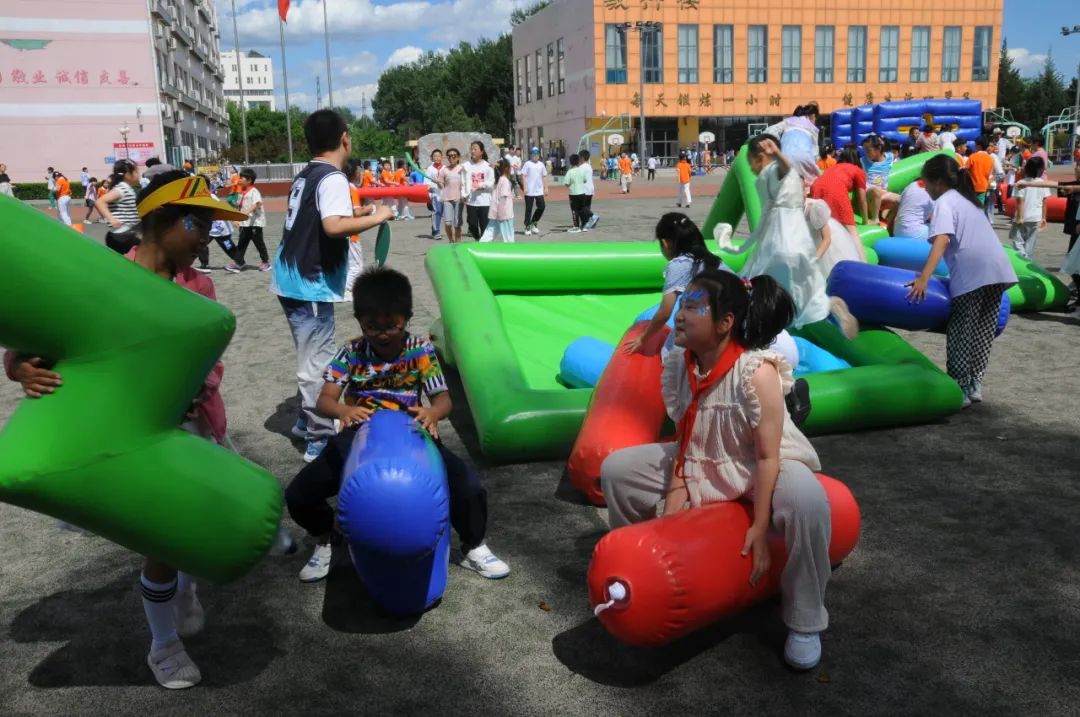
[189, 222]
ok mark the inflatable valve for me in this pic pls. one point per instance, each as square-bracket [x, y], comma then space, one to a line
[617, 592]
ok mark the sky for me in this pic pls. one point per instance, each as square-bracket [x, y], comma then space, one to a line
[368, 36]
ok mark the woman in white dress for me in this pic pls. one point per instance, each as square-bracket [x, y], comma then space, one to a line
[798, 140]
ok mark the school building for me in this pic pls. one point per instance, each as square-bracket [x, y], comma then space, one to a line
[723, 66]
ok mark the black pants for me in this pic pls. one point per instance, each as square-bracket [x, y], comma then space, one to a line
[652, 174]
[530, 217]
[226, 244]
[250, 235]
[307, 494]
[477, 219]
[579, 205]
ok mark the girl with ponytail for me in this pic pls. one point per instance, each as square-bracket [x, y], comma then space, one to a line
[683, 246]
[736, 440]
[979, 272]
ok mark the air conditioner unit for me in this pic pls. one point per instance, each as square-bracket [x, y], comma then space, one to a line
[179, 115]
[172, 43]
[174, 106]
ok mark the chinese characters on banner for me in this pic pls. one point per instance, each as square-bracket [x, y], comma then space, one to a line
[73, 78]
[137, 152]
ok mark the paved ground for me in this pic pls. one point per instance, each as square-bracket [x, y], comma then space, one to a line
[962, 596]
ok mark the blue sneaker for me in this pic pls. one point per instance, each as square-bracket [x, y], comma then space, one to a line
[299, 429]
[314, 448]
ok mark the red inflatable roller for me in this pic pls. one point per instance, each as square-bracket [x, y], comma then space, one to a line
[670, 576]
[1055, 208]
[416, 193]
[626, 410]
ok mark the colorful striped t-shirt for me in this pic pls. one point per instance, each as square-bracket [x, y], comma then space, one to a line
[395, 384]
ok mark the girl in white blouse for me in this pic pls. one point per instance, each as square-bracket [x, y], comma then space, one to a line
[736, 441]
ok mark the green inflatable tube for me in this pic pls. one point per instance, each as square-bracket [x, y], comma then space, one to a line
[509, 311]
[105, 452]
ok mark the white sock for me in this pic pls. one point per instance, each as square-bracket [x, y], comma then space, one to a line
[185, 582]
[158, 606]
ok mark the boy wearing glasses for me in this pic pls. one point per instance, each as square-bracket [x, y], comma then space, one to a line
[385, 369]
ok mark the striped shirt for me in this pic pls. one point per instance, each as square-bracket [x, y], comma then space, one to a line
[395, 384]
[124, 208]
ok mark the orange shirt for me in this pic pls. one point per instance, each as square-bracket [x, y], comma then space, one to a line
[234, 183]
[399, 177]
[684, 171]
[387, 177]
[980, 165]
[63, 187]
[101, 192]
[824, 164]
[368, 180]
[625, 166]
[355, 194]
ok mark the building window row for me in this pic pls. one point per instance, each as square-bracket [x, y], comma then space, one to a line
[791, 43]
[552, 66]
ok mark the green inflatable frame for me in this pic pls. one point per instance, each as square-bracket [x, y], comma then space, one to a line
[105, 452]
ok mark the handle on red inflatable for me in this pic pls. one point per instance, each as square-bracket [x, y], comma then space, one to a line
[657, 581]
[626, 410]
[416, 193]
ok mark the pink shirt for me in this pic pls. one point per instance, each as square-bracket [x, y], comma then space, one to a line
[504, 201]
[452, 183]
[211, 409]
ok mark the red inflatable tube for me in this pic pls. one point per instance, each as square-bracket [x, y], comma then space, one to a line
[416, 193]
[1055, 208]
[685, 571]
[626, 410]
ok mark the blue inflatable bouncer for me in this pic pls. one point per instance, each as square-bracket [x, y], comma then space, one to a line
[583, 361]
[893, 120]
[904, 253]
[394, 510]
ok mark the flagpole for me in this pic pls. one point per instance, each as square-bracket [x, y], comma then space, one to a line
[240, 78]
[326, 39]
[285, 77]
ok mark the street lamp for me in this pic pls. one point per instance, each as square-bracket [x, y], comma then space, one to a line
[642, 27]
[124, 132]
[1066, 31]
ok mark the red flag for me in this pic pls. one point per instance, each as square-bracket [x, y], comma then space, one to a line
[283, 9]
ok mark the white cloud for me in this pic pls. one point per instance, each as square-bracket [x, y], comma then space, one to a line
[1026, 62]
[403, 56]
[352, 96]
[364, 64]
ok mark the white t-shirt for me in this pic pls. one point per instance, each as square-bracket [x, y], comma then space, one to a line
[948, 139]
[333, 198]
[248, 201]
[1034, 199]
[534, 173]
[477, 184]
[515, 163]
[652, 162]
[590, 188]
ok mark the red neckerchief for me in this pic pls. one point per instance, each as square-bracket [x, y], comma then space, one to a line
[723, 365]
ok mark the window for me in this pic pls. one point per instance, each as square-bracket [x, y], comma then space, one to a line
[520, 81]
[528, 78]
[824, 37]
[856, 54]
[790, 53]
[615, 42]
[539, 75]
[890, 54]
[560, 48]
[688, 54]
[950, 55]
[920, 54]
[551, 69]
[723, 54]
[757, 67]
[980, 64]
[652, 49]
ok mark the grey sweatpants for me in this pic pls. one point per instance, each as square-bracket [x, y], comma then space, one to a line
[634, 480]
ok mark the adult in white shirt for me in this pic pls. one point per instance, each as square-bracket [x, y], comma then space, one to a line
[435, 174]
[479, 181]
[533, 173]
[652, 168]
[947, 137]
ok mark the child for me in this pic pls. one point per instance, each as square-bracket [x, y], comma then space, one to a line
[221, 232]
[626, 173]
[1030, 214]
[502, 216]
[877, 163]
[453, 206]
[90, 199]
[386, 369]
[590, 190]
[839, 185]
[684, 170]
[979, 272]
[356, 250]
[176, 219]
[687, 256]
[736, 441]
[784, 248]
[911, 218]
[436, 173]
[251, 228]
[533, 174]
[63, 197]
[401, 179]
[575, 179]
[387, 179]
[827, 158]
[834, 244]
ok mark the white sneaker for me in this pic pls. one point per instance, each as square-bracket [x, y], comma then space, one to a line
[319, 566]
[575, 230]
[803, 650]
[593, 221]
[849, 325]
[975, 394]
[190, 617]
[528, 230]
[966, 403]
[173, 669]
[481, 560]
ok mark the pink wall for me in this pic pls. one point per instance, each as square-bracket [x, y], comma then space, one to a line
[71, 74]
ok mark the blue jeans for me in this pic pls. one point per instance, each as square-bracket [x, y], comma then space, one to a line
[436, 216]
[312, 326]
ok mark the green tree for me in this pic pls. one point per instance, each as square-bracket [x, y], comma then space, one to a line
[371, 141]
[1046, 96]
[1011, 89]
[520, 15]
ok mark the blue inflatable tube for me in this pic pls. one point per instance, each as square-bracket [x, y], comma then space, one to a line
[904, 253]
[878, 295]
[584, 360]
[394, 510]
[650, 312]
[814, 359]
